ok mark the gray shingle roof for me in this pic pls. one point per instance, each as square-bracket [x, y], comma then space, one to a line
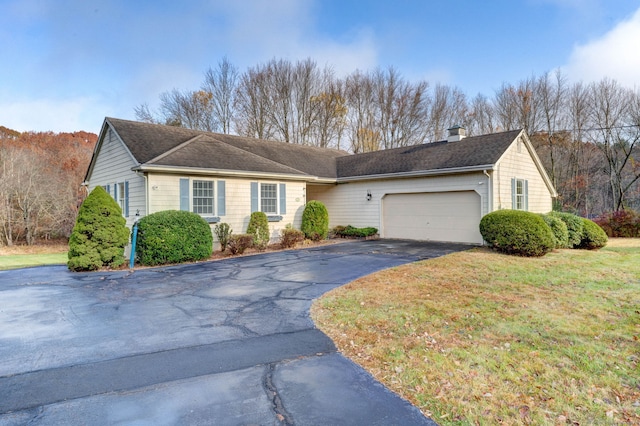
[468, 152]
[160, 145]
[147, 142]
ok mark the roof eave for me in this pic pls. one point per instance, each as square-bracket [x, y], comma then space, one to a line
[154, 168]
[419, 173]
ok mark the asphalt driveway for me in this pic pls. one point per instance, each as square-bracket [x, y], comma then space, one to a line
[226, 343]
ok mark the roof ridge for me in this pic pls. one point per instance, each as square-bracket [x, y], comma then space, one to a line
[208, 138]
[174, 149]
[253, 154]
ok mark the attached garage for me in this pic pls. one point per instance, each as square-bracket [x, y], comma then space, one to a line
[437, 216]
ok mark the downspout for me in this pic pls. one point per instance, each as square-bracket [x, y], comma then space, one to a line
[146, 194]
[489, 192]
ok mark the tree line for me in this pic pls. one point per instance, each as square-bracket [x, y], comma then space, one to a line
[41, 176]
[586, 134]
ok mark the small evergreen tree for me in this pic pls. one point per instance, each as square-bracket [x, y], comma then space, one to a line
[259, 229]
[315, 221]
[100, 234]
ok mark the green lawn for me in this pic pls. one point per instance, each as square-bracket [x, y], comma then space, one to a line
[483, 338]
[15, 261]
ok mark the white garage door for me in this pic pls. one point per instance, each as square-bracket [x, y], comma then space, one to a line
[436, 216]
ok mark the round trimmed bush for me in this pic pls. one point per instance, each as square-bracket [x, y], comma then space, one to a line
[517, 232]
[593, 237]
[259, 229]
[559, 229]
[574, 227]
[99, 235]
[173, 236]
[315, 221]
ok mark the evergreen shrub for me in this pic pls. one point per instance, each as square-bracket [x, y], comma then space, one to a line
[559, 229]
[173, 236]
[574, 227]
[353, 232]
[99, 235]
[315, 221]
[259, 229]
[517, 232]
[593, 236]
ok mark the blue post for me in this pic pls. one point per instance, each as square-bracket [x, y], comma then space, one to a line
[134, 237]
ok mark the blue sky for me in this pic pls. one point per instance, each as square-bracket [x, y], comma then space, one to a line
[66, 64]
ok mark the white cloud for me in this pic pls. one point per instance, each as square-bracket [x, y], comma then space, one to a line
[287, 29]
[614, 55]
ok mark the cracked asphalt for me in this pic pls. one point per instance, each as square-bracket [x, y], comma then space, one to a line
[226, 343]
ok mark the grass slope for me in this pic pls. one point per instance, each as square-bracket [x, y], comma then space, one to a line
[483, 338]
[15, 257]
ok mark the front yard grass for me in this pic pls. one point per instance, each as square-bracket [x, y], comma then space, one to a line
[15, 257]
[479, 337]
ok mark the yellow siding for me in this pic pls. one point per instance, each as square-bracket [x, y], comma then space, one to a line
[347, 203]
[164, 194]
[518, 163]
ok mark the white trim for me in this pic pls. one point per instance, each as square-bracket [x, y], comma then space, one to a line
[221, 172]
[419, 173]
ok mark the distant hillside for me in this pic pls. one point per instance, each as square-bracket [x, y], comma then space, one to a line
[54, 165]
[6, 133]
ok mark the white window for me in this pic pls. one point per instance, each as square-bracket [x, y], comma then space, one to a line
[122, 197]
[202, 197]
[269, 198]
[519, 196]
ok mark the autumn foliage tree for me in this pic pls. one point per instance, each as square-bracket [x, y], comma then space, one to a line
[40, 183]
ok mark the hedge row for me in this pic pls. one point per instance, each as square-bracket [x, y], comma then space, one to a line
[529, 234]
[352, 232]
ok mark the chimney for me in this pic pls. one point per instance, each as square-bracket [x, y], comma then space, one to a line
[456, 133]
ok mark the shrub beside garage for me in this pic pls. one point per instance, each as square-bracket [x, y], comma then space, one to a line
[315, 221]
[529, 234]
[517, 232]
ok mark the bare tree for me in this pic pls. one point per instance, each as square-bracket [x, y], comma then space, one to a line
[331, 111]
[614, 131]
[481, 117]
[551, 95]
[222, 83]
[402, 109]
[252, 103]
[448, 107]
[361, 120]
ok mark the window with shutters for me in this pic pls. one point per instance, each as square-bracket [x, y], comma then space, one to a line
[269, 198]
[197, 196]
[202, 197]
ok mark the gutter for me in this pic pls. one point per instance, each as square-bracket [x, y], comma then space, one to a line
[220, 172]
[489, 192]
[419, 173]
